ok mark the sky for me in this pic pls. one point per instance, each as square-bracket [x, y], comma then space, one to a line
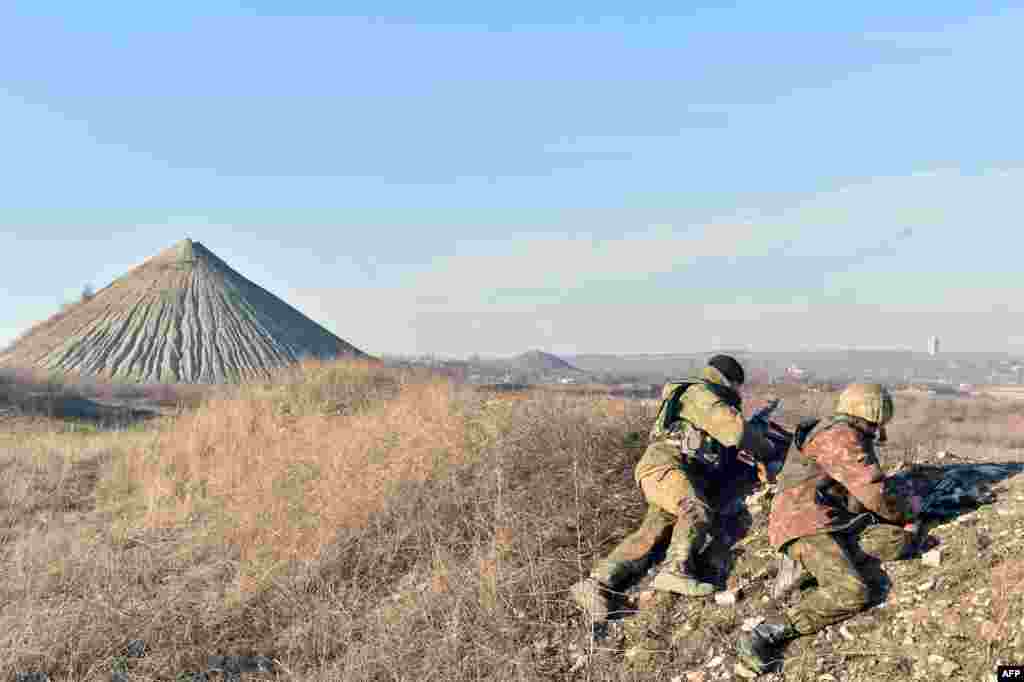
[455, 178]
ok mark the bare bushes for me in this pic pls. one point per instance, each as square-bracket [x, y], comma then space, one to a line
[280, 483]
[429, 535]
[424, 533]
[476, 561]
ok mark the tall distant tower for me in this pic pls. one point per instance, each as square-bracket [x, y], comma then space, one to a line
[933, 345]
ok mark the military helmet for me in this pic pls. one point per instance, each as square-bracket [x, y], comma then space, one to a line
[870, 402]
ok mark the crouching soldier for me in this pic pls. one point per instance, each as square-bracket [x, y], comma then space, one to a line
[697, 433]
[825, 520]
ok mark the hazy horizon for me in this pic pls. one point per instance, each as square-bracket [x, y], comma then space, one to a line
[459, 179]
[699, 354]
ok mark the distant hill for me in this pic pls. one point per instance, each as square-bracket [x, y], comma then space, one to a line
[652, 366]
[183, 316]
[539, 361]
[891, 366]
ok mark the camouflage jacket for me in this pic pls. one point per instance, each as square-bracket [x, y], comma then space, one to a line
[706, 419]
[829, 481]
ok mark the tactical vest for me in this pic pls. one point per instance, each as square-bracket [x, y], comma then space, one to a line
[799, 468]
[693, 440]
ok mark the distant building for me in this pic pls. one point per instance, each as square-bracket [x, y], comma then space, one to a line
[933, 345]
[796, 372]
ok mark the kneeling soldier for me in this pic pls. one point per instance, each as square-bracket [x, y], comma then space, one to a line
[831, 493]
[696, 435]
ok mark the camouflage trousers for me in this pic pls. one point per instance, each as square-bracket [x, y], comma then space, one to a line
[677, 507]
[840, 562]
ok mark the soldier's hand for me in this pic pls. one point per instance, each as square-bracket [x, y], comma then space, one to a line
[763, 474]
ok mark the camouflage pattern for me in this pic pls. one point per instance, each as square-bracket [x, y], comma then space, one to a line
[827, 484]
[629, 559]
[841, 592]
[672, 481]
[677, 508]
[838, 562]
[871, 402]
[716, 412]
[708, 421]
[690, 537]
[677, 505]
[881, 543]
[845, 568]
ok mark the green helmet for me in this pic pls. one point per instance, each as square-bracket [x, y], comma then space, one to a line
[870, 402]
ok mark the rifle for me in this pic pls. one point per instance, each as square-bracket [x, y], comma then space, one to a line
[762, 416]
[775, 434]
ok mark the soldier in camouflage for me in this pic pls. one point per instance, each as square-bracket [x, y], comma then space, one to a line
[831, 513]
[697, 432]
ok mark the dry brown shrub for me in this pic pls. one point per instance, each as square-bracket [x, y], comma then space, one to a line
[282, 483]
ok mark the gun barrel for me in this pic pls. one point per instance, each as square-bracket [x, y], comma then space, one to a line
[765, 412]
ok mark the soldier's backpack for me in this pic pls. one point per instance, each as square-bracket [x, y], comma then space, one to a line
[673, 391]
[668, 412]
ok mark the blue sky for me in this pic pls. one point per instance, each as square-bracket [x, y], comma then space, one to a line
[450, 177]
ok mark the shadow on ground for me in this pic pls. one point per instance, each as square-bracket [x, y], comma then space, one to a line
[76, 408]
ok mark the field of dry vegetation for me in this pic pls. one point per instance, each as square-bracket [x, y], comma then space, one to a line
[353, 522]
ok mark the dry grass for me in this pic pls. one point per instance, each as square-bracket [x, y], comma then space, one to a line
[282, 482]
[356, 524]
[360, 523]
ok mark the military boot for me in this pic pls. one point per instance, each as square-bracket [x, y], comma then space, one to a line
[593, 593]
[761, 648]
[792, 575]
[677, 574]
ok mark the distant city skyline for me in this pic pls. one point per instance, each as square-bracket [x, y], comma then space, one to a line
[456, 178]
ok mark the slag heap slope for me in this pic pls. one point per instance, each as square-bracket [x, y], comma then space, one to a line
[183, 316]
[539, 361]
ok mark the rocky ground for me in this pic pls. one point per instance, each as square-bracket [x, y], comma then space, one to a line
[952, 611]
